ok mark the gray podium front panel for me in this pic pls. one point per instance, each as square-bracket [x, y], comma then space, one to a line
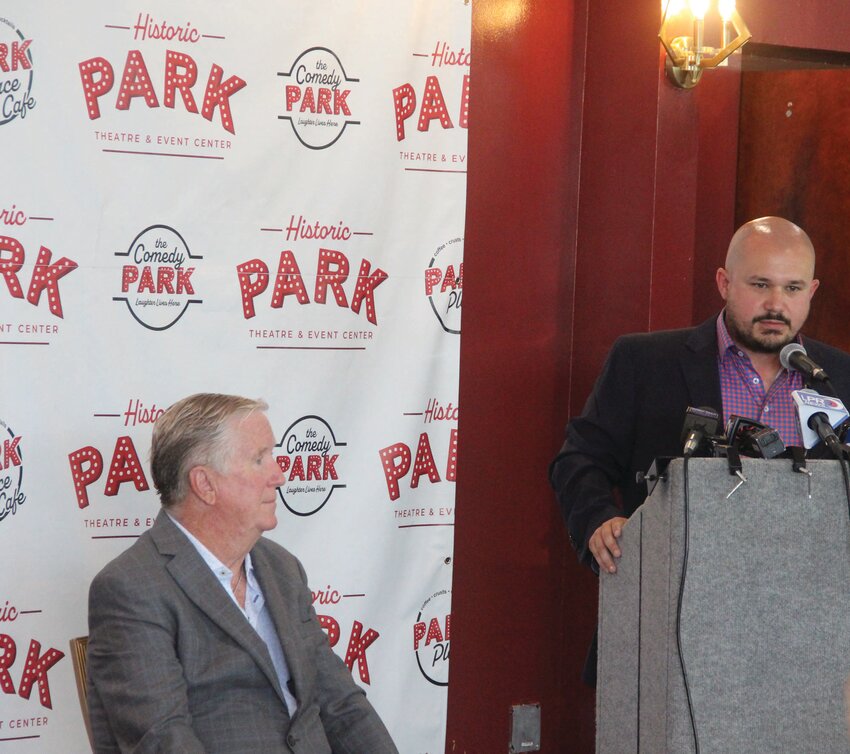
[765, 619]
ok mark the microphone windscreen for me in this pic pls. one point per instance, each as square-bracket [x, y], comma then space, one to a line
[787, 350]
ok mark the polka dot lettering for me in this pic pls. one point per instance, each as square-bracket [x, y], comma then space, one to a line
[218, 95]
[404, 99]
[11, 265]
[83, 477]
[357, 646]
[10, 456]
[328, 467]
[297, 469]
[418, 634]
[424, 463]
[293, 94]
[253, 280]
[181, 73]
[8, 652]
[46, 275]
[434, 632]
[146, 284]
[451, 465]
[125, 467]
[97, 77]
[135, 82]
[463, 121]
[324, 105]
[35, 671]
[433, 106]
[340, 104]
[365, 290]
[450, 280]
[332, 271]
[309, 101]
[332, 628]
[396, 462]
[288, 281]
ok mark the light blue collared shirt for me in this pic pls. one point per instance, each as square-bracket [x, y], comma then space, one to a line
[254, 611]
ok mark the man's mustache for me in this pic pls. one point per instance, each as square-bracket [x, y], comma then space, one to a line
[775, 316]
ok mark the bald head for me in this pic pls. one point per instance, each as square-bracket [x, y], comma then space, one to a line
[767, 284]
[774, 235]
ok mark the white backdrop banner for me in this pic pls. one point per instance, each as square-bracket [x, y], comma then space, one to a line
[244, 197]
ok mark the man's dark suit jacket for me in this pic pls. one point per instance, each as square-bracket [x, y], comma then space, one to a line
[635, 414]
[174, 666]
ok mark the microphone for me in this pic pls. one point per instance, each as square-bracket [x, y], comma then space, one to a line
[700, 423]
[753, 438]
[843, 429]
[793, 356]
[817, 415]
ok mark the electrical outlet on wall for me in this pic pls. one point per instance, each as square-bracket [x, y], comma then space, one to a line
[525, 728]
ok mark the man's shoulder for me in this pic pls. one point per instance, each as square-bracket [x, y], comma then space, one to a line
[274, 561]
[658, 342]
[142, 551]
[273, 551]
[836, 363]
[139, 570]
[825, 351]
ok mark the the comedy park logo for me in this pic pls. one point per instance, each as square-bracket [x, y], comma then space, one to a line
[317, 98]
[432, 637]
[16, 73]
[12, 495]
[444, 284]
[309, 456]
[156, 278]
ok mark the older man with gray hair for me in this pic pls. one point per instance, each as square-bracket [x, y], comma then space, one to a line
[202, 635]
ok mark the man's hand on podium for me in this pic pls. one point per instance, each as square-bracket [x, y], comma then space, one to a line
[604, 545]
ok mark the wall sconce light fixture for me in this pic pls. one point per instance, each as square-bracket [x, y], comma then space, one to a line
[689, 56]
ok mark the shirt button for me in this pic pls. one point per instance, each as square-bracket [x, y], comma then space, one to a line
[766, 409]
[755, 380]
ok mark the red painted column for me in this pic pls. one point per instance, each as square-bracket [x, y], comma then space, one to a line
[522, 610]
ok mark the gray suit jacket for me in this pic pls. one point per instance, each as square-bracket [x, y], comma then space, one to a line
[174, 666]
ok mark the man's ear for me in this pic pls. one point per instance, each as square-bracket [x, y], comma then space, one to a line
[721, 277]
[202, 483]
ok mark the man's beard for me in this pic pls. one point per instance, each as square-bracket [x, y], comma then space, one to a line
[755, 343]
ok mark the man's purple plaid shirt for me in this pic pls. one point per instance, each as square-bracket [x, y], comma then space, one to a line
[743, 394]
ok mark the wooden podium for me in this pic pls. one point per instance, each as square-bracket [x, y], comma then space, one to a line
[765, 615]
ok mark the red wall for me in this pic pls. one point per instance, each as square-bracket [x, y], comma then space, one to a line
[600, 201]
